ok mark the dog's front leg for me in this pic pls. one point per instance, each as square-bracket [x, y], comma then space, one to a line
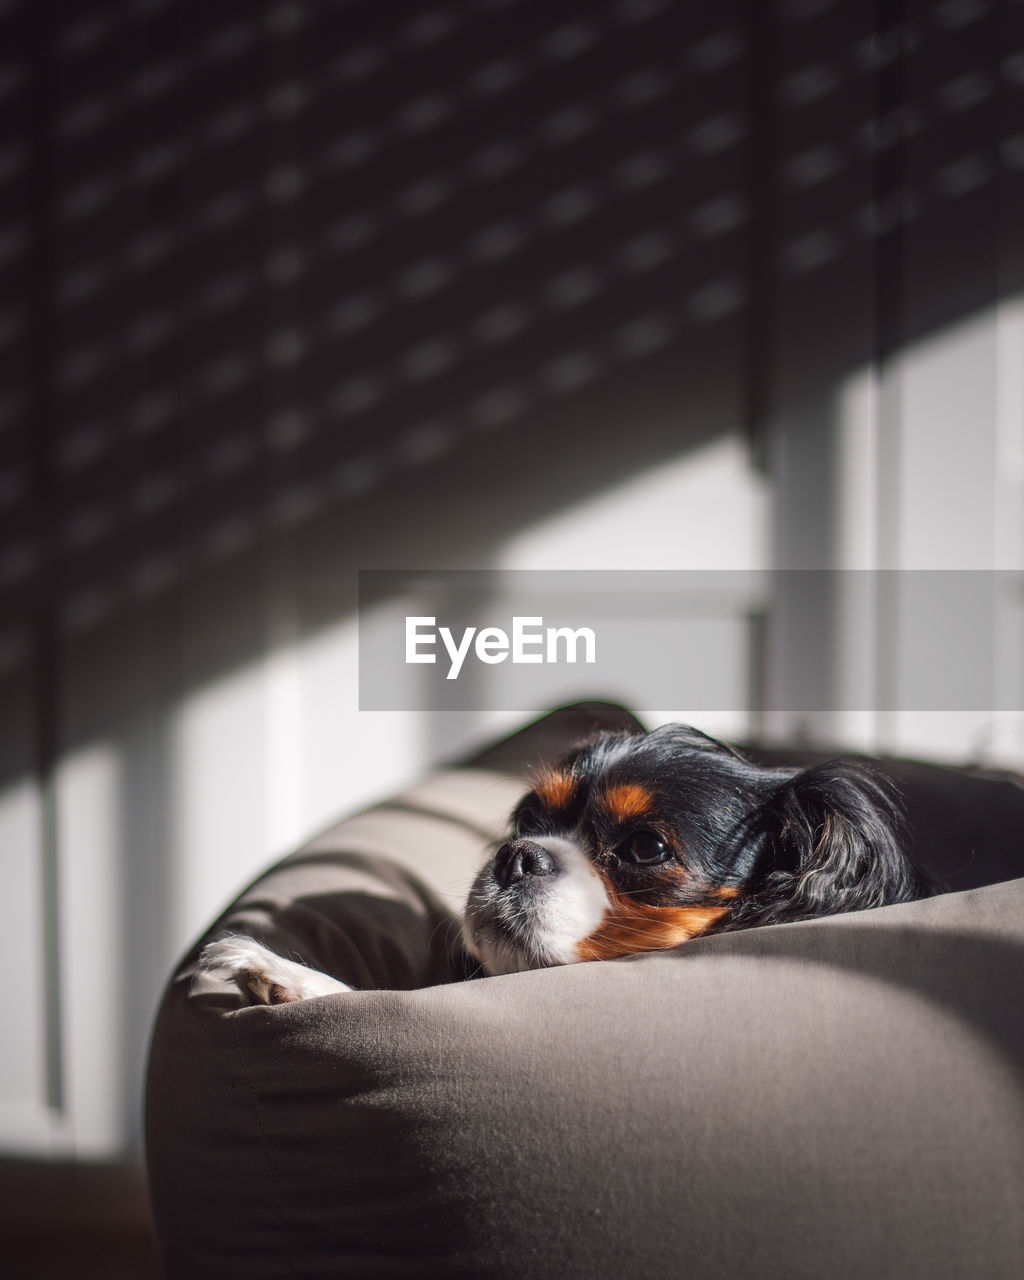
[262, 975]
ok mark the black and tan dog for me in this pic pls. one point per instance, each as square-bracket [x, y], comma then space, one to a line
[638, 842]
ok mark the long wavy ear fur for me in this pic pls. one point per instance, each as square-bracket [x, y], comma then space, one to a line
[829, 839]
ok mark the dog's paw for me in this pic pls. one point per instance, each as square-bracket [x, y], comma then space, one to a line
[262, 975]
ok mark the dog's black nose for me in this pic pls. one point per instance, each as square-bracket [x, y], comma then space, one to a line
[518, 859]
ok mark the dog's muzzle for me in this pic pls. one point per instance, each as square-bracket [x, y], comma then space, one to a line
[531, 903]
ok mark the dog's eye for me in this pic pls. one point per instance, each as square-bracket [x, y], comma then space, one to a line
[645, 848]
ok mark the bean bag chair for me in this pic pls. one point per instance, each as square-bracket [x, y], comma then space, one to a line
[841, 1098]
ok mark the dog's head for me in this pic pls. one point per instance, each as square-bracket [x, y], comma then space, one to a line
[638, 842]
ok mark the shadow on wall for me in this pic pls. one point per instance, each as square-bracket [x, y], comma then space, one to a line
[302, 292]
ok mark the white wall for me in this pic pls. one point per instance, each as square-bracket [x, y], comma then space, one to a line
[933, 479]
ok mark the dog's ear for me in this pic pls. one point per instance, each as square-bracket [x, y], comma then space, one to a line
[826, 840]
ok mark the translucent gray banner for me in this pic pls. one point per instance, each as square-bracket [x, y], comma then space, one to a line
[712, 640]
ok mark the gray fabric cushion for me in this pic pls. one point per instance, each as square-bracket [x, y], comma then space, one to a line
[837, 1098]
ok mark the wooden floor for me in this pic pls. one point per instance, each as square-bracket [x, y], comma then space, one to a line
[75, 1222]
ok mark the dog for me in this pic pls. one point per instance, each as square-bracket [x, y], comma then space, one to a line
[637, 842]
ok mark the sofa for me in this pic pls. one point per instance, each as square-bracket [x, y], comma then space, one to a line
[837, 1098]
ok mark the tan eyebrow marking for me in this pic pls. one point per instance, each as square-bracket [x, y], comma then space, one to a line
[553, 787]
[626, 800]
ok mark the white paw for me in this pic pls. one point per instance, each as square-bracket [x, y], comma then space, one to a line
[264, 976]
